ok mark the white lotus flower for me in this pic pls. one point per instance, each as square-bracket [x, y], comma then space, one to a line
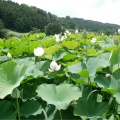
[62, 38]
[54, 66]
[9, 56]
[107, 75]
[57, 37]
[67, 32]
[76, 31]
[94, 40]
[38, 51]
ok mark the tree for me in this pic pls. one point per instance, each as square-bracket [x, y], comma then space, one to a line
[53, 28]
[1, 24]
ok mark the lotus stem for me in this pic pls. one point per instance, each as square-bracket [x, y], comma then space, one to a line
[118, 61]
[89, 82]
[45, 114]
[18, 109]
[85, 47]
[60, 115]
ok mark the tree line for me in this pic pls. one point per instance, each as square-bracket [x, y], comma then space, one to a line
[24, 18]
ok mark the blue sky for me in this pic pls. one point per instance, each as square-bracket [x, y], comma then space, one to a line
[107, 11]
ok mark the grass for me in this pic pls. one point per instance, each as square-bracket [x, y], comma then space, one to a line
[6, 33]
[11, 33]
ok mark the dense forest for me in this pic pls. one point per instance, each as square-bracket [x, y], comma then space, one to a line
[24, 18]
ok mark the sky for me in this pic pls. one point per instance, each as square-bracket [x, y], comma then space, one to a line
[106, 11]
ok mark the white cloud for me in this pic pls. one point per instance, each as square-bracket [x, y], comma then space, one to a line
[98, 10]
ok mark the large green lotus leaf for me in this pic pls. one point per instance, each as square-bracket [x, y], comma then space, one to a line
[30, 108]
[51, 50]
[89, 107]
[32, 37]
[84, 73]
[59, 55]
[103, 81]
[105, 55]
[14, 42]
[69, 56]
[29, 91]
[35, 73]
[28, 49]
[118, 110]
[11, 75]
[78, 79]
[48, 57]
[112, 117]
[31, 46]
[3, 58]
[114, 60]
[7, 111]
[18, 50]
[90, 35]
[32, 69]
[96, 62]
[8, 43]
[117, 95]
[47, 42]
[111, 82]
[107, 43]
[1, 43]
[70, 44]
[29, 63]
[60, 95]
[91, 51]
[43, 65]
[76, 68]
[73, 36]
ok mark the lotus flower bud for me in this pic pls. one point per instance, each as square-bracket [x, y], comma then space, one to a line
[54, 66]
[38, 51]
[107, 75]
[116, 40]
[9, 56]
[84, 34]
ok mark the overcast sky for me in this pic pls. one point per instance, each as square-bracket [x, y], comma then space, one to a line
[98, 10]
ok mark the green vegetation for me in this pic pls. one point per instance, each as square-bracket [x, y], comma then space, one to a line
[1, 24]
[51, 73]
[72, 76]
[53, 28]
[22, 18]
[4, 33]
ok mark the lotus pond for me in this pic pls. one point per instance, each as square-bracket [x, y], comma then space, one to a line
[75, 77]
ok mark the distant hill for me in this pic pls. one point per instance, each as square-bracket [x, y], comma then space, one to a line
[23, 18]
